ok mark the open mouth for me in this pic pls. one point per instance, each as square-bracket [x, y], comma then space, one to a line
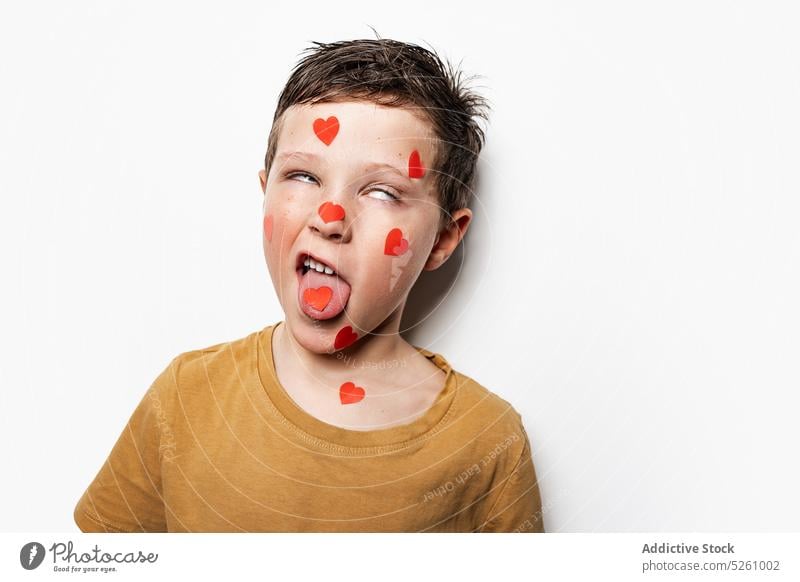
[310, 263]
[322, 293]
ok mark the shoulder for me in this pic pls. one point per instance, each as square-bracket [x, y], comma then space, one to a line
[192, 371]
[489, 403]
[213, 358]
[492, 421]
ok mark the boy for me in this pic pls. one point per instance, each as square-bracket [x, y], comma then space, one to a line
[329, 421]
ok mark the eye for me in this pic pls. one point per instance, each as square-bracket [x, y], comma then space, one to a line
[382, 194]
[385, 195]
[292, 175]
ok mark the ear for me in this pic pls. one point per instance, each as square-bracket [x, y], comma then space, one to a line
[262, 177]
[448, 238]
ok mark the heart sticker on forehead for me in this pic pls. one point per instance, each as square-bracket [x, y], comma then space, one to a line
[349, 393]
[395, 244]
[344, 338]
[415, 167]
[326, 129]
[330, 212]
[318, 298]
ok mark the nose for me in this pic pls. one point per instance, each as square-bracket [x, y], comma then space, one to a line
[330, 221]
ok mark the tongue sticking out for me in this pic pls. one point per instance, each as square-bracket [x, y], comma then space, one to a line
[322, 296]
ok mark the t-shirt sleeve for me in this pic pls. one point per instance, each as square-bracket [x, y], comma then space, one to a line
[519, 505]
[126, 493]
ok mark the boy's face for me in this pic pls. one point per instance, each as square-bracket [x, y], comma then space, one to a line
[350, 189]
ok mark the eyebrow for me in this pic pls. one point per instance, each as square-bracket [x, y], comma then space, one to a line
[370, 166]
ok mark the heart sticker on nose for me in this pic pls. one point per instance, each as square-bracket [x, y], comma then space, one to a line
[318, 298]
[268, 227]
[330, 212]
[344, 338]
[395, 244]
[415, 167]
[326, 129]
[349, 393]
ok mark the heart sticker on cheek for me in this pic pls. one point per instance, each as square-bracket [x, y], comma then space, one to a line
[318, 298]
[326, 129]
[268, 227]
[330, 212]
[349, 393]
[344, 338]
[415, 167]
[395, 244]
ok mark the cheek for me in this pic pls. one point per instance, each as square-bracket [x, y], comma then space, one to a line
[269, 223]
[395, 243]
[277, 219]
[274, 224]
[398, 256]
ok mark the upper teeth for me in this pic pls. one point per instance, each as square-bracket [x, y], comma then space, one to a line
[318, 267]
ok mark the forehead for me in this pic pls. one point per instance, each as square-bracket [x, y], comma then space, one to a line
[367, 130]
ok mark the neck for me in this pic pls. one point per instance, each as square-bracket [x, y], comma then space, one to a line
[382, 344]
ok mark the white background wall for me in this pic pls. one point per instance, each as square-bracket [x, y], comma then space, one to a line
[630, 284]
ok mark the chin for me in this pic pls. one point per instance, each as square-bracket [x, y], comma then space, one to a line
[314, 336]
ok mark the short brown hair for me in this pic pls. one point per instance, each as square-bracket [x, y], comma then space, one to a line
[396, 74]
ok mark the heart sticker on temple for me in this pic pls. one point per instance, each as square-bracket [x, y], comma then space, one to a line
[415, 167]
[318, 298]
[344, 338]
[349, 393]
[330, 212]
[268, 227]
[395, 244]
[326, 129]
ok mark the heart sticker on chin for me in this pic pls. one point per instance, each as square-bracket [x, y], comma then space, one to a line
[326, 129]
[395, 244]
[330, 212]
[268, 227]
[344, 338]
[349, 393]
[415, 167]
[318, 298]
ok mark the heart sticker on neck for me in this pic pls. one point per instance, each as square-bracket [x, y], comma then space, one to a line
[318, 298]
[326, 129]
[395, 244]
[349, 393]
[268, 227]
[415, 167]
[344, 338]
[330, 212]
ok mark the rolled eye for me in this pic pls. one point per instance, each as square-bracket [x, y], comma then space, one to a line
[296, 174]
[382, 195]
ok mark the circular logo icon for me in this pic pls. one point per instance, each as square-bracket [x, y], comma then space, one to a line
[31, 555]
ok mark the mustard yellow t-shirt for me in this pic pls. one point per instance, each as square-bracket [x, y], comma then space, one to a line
[217, 445]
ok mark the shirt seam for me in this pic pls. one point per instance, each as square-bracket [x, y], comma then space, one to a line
[502, 493]
[355, 451]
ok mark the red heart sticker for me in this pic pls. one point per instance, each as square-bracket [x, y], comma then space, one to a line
[395, 244]
[318, 298]
[268, 227]
[349, 393]
[415, 167]
[344, 338]
[330, 212]
[326, 129]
